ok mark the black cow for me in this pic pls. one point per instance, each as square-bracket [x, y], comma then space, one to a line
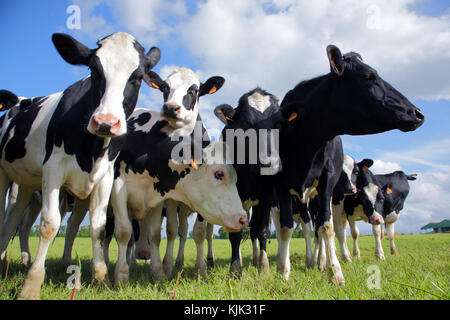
[351, 99]
[254, 165]
[64, 140]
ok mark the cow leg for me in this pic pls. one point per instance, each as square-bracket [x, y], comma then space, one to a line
[258, 229]
[4, 187]
[122, 229]
[325, 224]
[340, 227]
[235, 239]
[379, 253]
[14, 218]
[355, 234]
[80, 210]
[182, 233]
[98, 205]
[50, 222]
[33, 211]
[209, 239]
[109, 232]
[390, 233]
[285, 234]
[171, 229]
[154, 235]
[199, 234]
[306, 227]
[142, 248]
[256, 253]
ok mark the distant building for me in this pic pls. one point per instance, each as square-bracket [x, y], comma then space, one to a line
[440, 227]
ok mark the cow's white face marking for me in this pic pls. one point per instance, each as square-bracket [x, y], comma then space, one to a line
[119, 59]
[371, 191]
[349, 164]
[391, 217]
[259, 102]
[179, 82]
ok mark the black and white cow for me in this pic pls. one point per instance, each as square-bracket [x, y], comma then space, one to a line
[378, 195]
[65, 140]
[255, 167]
[145, 177]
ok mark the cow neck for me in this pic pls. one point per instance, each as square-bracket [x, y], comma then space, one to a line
[303, 139]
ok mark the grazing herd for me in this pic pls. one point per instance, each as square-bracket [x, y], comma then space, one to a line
[88, 148]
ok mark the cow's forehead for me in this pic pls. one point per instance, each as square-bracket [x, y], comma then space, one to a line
[182, 77]
[118, 52]
[259, 101]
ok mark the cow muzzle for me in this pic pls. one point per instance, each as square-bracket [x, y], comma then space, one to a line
[170, 111]
[238, 225]
[105, 125]
[376, 219]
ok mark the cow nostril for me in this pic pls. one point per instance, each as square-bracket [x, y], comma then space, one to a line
[419, 114]
[177, 109]
[243, 220]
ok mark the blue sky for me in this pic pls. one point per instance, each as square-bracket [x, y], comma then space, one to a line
[273, 44]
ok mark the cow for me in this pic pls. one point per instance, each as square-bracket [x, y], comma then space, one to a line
[145, 177]
[180, 115]
[66, 140]
[256, 168]
[351, 99]
[382, 196]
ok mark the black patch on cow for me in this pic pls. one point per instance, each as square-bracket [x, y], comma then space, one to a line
[150, 152]
[191, 97]
[22, 118]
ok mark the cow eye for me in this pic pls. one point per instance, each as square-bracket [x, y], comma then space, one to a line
[219, 175]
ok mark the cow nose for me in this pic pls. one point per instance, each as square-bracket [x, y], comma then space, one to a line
[105, 125]
[143, 255]
[420, 116]
[170, 110]
[376, 219]
[243, 220]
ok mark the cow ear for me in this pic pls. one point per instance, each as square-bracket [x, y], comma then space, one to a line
[365, 164]
[71, 50]
[211, 85]
[412, 177]
[225, 113]
[336, 60]
[154, 80]
[153, 55]
[7, 100]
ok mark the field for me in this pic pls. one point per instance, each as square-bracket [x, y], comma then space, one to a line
[420, 271]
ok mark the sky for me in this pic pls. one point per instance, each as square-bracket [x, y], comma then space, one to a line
[271, 44]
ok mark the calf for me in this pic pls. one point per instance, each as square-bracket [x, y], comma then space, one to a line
[254, 165]
[66, 140]
[379, 196]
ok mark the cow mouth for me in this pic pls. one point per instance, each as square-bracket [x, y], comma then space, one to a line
[235, 227]
[413, 124]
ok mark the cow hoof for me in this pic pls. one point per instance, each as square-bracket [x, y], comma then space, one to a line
[99, 272]
[394, 251]
[121, 279]
[310, 263]
[285, 271]
[236, 269]
[340, 281]
[347, 258]
[264, 266]
[210, 262]
[31, 289]
[26, 259]
[168, 267]
[380, 256]
[179, 263]
[158, 274]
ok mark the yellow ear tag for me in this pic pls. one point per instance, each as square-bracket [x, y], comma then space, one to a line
[388, 190]
[1, 105]
[229, 119]
[193, 163]
[293, 116]
[213, 89]
[334, 66]
[155, 85]
[365, 168]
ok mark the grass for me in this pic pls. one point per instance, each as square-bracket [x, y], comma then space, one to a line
[420, 271]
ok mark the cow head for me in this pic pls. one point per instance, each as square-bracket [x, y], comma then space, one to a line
[7, 100]
[369, 192]
[249, 130]
[181, 91]
[117, 67]
[363, 102]
[210, 189]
